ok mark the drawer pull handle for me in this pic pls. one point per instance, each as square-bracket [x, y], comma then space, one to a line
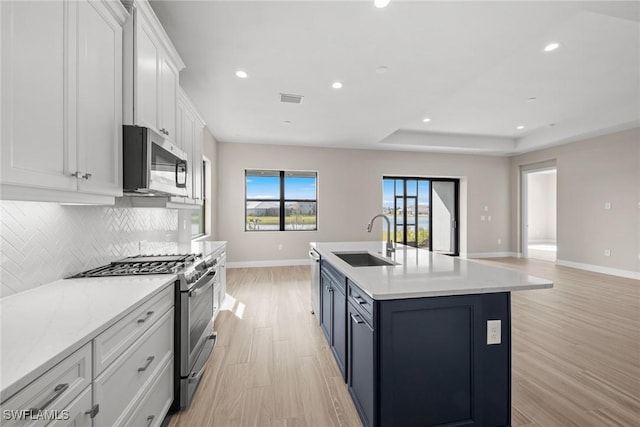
[57, 391]
[359, 300]
[356, 318]
[150, 420]
[145, 318]
[93, 411]
[149, 360]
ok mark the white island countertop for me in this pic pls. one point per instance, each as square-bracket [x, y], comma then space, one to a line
[419, 273]
[42, 326]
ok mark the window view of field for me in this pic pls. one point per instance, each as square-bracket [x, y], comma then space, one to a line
[268, 191]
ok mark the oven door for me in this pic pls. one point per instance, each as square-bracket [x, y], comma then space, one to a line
[196, 326]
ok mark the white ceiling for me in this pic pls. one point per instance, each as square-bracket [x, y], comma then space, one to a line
[469, 66]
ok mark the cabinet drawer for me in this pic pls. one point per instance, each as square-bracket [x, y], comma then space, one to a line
[362, 301]
[51, 392]
[76, 414]
[337, 278]
[114, 341]
[120, 386]
[155, 403]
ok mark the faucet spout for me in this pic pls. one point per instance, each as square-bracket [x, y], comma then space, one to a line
[390, 248]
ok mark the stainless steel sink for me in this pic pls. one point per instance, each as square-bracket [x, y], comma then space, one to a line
[362, 259]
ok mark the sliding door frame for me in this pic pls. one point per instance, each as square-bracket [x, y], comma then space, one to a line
[456, 225]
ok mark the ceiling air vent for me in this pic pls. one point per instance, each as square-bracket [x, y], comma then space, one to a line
[294, 99]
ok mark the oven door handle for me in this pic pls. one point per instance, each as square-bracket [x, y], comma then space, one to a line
[196, 375]
[203, 288]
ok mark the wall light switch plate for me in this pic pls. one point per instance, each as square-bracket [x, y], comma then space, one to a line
[494, 333]
[607, 252]
[607, 205]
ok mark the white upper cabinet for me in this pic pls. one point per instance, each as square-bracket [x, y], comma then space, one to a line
[99, 94]
[151, 69]
[190, 140]
[61, 93]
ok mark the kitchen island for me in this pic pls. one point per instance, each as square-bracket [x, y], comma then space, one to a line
[422, 339]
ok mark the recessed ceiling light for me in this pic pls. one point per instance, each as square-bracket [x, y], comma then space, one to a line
[426, 120]
[551, 125]
[381, 3]
[520, 127]
[551, 46]
[241, 74]
[336, 85]
[287, 122]
[533, 98]
[382, 69]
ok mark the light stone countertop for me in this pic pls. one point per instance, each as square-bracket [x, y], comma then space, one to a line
[42, 326]
[420, 273]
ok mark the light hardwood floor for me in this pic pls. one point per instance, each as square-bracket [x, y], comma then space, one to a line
[576, 354]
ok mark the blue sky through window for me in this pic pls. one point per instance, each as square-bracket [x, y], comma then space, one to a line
[268, 187]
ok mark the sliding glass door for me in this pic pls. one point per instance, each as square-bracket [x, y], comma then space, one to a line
[423, 212]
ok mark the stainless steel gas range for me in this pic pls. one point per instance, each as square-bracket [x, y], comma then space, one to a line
[195, 307]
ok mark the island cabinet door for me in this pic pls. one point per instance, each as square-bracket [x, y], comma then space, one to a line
[436, 367]
[325, 306]
[361, 362]
[339, 332]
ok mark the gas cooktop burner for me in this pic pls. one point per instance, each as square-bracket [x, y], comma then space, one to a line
[141, 264]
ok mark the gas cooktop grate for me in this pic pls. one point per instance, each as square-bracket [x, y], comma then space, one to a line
[140, 265]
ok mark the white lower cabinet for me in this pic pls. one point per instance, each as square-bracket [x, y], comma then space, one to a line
[155, 403]
[77, 414]
[120, 388]
[50, 395]
[131, 385]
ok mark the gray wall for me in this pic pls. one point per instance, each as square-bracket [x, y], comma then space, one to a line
[591, 173]
[350, 193]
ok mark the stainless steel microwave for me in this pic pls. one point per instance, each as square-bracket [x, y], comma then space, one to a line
[152, 165]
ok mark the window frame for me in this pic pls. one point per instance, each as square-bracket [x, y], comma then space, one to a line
[282, 200]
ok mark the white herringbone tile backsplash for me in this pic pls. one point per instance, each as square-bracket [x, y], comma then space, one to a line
[43, 242]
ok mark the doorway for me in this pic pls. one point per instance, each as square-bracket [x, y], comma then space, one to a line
[539, 211]
[423, 212]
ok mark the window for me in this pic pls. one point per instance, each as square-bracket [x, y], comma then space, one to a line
[198, 215]
[280, 200]
[423, 212]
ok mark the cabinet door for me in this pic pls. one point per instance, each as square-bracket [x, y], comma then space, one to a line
[147, 75]
[99, 95]
[361, 362]
[325, 306]
[223, 280]
[197, 163]
[37, 135]
[339, 329]
[188, 137]
[168, 98]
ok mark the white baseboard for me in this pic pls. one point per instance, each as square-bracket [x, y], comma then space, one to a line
[269, 263]
[600, 269]
[488, 255]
